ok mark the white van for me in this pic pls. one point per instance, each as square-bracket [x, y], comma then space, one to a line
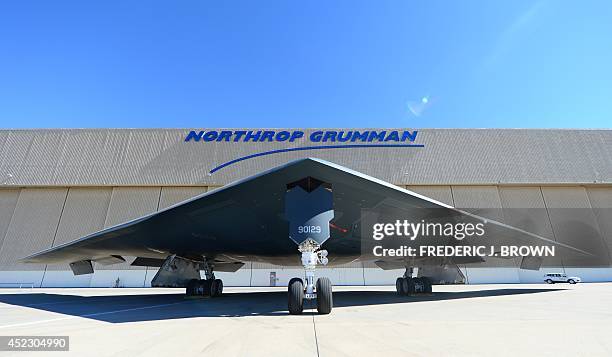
[560, 278]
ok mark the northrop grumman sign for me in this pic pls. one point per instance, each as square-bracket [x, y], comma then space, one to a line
[291, 136]
[333, 139]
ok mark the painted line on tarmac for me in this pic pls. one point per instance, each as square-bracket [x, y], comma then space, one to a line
[12, 306]
[314, 327]
[90, 315]
[86, 299]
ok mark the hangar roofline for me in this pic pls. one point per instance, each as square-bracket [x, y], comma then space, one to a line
[309, 128]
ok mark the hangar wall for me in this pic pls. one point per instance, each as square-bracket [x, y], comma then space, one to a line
[33, 219]
[59, 185]
[161, 157]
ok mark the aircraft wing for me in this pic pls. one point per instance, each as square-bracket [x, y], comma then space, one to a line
[245, 221]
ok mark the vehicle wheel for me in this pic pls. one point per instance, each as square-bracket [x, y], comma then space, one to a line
[191, 287]
[571, 281]
[325, 300]
[296, 296]
[548, 281]
[427, 283]
[216, 288]
[410, 285]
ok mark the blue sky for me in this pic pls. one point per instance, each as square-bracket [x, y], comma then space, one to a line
[205, 64]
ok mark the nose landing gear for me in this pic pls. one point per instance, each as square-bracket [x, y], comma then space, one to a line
[298, 291]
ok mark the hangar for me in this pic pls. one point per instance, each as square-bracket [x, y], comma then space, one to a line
[60, 185]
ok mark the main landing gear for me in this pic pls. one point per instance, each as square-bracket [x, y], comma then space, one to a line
[298, 290]
[205, 287]
[408, 285]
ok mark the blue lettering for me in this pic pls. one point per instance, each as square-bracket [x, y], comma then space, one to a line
[291, 136]
[195, 136]
[378, 136]
[393, 136]
[344, 139]
[409, 135]
[296, 135]
[250, 136]
[238, 134]
[359, 136]
[316, 136]
[225, 134]
[329, 136]
[282, 136]
[210, 135]
[267, 135]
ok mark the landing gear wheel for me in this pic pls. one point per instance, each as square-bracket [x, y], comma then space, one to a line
[572, 281]
[401, 286]
[549, 281]
[216, 288]
[191, 287]
[325, 300]
[203, 287]
[399, 282]
[427, 283]
[296, 296]
[418, 285]
[296, 279]
[410, 285]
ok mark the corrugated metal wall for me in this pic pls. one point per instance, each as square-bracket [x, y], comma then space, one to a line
[84, 213]
[161, 157]
[32, 227]
[8, 201]
[525, 207]
[33, 219]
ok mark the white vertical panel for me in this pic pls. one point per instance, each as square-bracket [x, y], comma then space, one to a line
[485, 201]
[128, 278]
[240, 278]
[126, 204]
[59, 277]
[600, 199]
[8, 201]
[84, 213]
[377, 276]
[438, 193]
[174, 195]
[33, 226]
[499, 275]
[523, 207]
[574, 223]
[476, 197]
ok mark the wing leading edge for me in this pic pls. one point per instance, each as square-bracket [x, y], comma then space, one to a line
[244, 220]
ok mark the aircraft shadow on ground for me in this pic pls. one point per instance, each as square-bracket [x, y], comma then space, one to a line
[150, 307]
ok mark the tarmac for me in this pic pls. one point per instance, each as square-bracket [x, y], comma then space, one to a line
[459, 320]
